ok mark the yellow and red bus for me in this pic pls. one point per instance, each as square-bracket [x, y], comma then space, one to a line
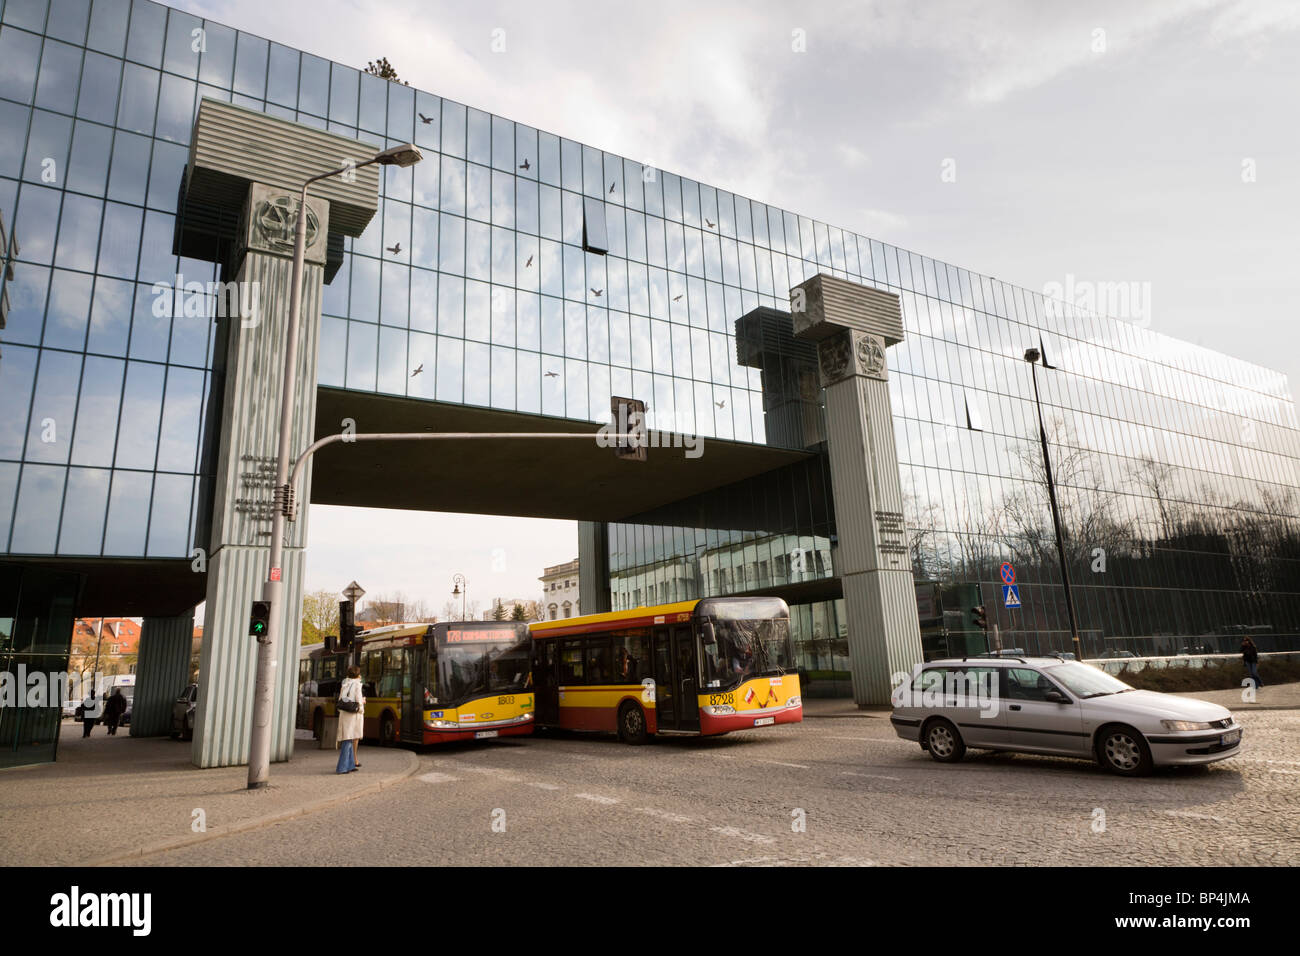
[430, 683]
[696, 668]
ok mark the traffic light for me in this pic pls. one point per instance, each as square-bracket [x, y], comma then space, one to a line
[981, 619]
[347, 625]
[259, 623]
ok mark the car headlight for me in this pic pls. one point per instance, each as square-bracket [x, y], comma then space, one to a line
[719, 710]
[1184, 725]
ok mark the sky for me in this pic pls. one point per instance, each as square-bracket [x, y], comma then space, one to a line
[1150, 143]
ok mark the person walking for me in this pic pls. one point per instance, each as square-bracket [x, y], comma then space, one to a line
[114, 710]
[351, 711]
[1250, 657]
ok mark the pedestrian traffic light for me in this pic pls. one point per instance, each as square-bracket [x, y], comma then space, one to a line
[347, 625]
[259, 623]
[981, 619]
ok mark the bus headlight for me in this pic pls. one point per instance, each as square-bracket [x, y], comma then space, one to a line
[441, 724]
[719, 710]
[795, 701]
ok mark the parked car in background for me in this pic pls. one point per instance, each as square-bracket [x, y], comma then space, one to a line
[1062, 708]
[183, 708]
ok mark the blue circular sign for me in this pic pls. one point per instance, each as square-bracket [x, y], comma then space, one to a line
[1008, 573]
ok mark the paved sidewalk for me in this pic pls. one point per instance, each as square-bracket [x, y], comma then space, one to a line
[1272, 697]
[111, 799]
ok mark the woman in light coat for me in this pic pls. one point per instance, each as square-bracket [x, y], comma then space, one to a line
[351, 723]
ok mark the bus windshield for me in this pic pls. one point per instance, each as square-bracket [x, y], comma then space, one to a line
[743, 649]
[477, 667]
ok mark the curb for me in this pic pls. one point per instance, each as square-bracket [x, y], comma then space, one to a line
[412, 764]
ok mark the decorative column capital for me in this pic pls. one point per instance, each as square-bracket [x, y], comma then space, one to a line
[270, 216]
[850, 353]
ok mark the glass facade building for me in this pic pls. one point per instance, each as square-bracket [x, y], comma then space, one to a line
[1177, 466]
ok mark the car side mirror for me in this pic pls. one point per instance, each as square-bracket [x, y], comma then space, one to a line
[1056, 697]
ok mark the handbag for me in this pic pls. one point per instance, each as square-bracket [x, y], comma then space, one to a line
[351, 706]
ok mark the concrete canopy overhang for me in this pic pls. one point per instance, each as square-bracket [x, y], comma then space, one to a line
[567, 479]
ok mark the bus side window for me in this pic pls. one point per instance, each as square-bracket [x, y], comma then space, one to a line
[571, 669]
[630, 656]
[598, 667]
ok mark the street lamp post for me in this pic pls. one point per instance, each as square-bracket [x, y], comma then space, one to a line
[461, 588]
[259, 749]
[1032, 356]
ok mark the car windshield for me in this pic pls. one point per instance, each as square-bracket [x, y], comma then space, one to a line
[478, 667]
[744, 649]
[1086, 680]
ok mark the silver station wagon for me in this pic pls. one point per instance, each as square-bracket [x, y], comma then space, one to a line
[1062, 708]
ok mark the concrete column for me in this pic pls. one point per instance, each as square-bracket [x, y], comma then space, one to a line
[242, 511]
[853, 325]
[162, 672]
[593, 568]
[239, 206]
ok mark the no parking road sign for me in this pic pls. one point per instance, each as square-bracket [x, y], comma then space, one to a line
[1011, 595]
[1008, 573]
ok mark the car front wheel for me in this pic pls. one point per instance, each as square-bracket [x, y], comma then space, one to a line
[1124, 751]
[943, 741]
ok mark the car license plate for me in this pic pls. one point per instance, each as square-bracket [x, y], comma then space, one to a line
[1231, 737]
[764, 721]
[480, 735]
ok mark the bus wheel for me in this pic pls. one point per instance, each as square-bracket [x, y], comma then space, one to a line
[631, 724]
[318, 725]
[388, 730]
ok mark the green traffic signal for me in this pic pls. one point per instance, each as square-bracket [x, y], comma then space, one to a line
[259, 623]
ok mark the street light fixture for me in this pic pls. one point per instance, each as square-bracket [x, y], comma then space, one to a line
[259, 748]
[461, 588]
[1032, 356]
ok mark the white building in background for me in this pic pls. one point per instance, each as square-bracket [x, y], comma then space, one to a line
[560, 591]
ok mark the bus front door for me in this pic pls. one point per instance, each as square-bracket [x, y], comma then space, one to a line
[688, 709]
[415, 669]
[675, 679]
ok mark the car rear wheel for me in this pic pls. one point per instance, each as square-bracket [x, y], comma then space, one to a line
[1124, 751]
[943, 741]
[631, 724]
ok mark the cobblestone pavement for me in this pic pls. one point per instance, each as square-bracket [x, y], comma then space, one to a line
[865, 796]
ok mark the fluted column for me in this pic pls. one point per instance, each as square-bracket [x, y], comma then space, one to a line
[853, 325]
[241, 521]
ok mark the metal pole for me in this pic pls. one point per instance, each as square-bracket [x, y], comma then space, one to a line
[1056, 518]
[259, 747]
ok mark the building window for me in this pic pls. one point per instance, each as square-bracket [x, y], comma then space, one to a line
[595, 237]
[974, 420]
[568, 609]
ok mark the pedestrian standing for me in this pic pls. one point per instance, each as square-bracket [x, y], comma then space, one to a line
[351, 710]
[89, 714]
[1250, 657]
